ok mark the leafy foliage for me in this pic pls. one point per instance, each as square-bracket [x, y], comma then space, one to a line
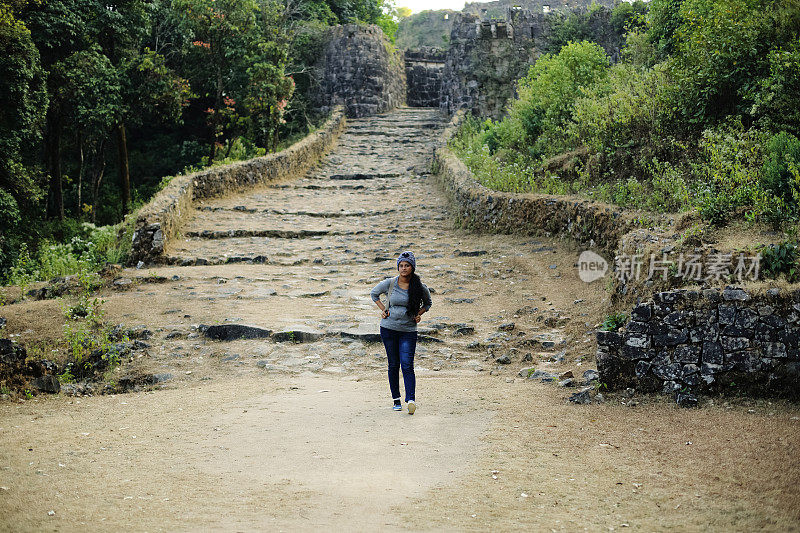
[547, 95]
[783, 258]
[613, 322]
[104, 98]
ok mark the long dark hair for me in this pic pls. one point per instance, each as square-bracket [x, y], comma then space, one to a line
[414, 294]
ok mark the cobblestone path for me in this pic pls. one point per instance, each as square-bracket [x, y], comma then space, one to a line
[298, 259]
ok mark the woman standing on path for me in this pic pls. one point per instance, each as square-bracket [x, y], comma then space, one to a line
[408, 300]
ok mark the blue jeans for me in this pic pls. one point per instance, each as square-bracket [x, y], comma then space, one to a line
[400, 347]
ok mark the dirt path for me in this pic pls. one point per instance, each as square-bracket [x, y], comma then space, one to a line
[294, 432]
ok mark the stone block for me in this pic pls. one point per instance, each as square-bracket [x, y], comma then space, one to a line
[773, 321]
[670, 372]
[774, 350]
[732, 344]
[736, 331]
[672, 338]
[712, 295]
[727, 314]
[687, 354]
[734, 294]
[636, 340]
[746, 319]
[678, 319]
[47, 383]
[667, 297]
[637, 327]
[642, 312]
[710, 333]
[712, 353]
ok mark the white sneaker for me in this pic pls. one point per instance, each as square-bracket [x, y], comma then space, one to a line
[412, 407]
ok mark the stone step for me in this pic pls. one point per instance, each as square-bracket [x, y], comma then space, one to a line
[362, 176]
[315, 214]
[228, 260]
[231, 224]
[271, 233]
[231, 332]
[403, 125]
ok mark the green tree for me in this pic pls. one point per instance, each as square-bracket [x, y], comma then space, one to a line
[722, 53]
[664, 19]
[776, 99]
[223, 38]
[89, 99]
[22, 82]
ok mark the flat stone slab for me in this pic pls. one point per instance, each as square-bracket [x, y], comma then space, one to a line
[297, 335]
[229, 332]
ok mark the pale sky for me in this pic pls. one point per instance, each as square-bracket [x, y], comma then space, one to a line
[421, 5]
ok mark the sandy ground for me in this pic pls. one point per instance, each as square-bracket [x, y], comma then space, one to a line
[308, 452]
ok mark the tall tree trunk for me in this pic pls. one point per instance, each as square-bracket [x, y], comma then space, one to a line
[124, 171]
[267, 128]
[54, 162]
[99, 168]
[215, 120]
[79, 209]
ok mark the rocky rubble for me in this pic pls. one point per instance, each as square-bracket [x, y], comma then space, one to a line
[17, 373]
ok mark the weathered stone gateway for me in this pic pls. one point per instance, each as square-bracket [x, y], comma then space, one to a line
[687, 341]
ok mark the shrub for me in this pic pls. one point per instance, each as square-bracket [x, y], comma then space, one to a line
[613, 322]
[88, 251]
[548, 93]
[726, 173]
[781, 170]
[775, 102]
[625, 119]
[721, 51]
[777, 259]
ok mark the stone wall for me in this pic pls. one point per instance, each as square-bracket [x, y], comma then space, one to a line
[707, 341]
[159, 220]
[486, 57]
[360, 70]
[590, 223]
[424, 71]
[484, 60]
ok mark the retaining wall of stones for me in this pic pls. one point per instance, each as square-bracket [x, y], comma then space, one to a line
[159, 220]
[707, 341]
[589, 223]
[424, 72]
[360, 70]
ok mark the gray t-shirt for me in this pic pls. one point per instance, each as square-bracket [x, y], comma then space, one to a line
[398, 319]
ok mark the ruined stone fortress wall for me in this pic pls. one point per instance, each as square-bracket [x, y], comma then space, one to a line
[707, 341]
[486, 57]
[424, 73]
[360, 70]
